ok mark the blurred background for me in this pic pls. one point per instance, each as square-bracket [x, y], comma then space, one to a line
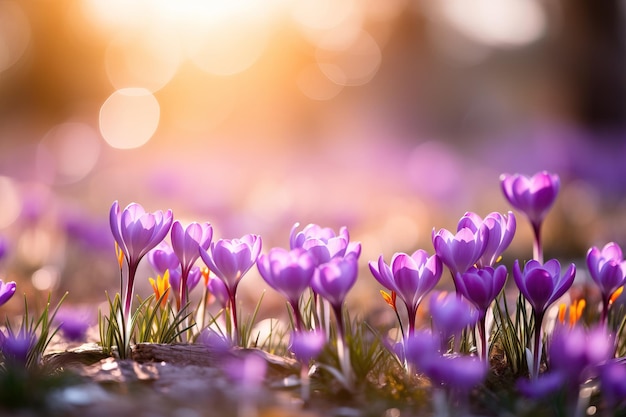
[390, 117]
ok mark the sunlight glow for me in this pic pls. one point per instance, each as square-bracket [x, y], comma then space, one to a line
[14, 33]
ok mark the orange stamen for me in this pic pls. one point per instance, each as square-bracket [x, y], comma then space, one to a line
[389, 298]
[205, 274]
[562, 308]
[161, 286]
[119, 254]
[616, 294]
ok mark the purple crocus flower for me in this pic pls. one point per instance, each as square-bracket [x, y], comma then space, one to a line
[542, 285]
[480, 287]
[289, 273]
[613, 383]
[163, 258]
[411, 277]
[193, 279]
[546, 384]
[217, 287]
[247, 373]
[500, 232]
[322, 242]
[462, 250]
[421, 348]
[576, 353]
[186, 243]
[458, 373]
[307, 345]
[74, 322]
[137, 232]
[608, 270]
[534, 197]
[6, 291]
[450, 314]
[17, 347]
[229, 260]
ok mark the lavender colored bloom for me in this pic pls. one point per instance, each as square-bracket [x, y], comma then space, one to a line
[163, 258]
[334, 279]
[137, 232]
[608, 270]
[411, 277]
[6, 291]
[462, 250]
[247, 373]
[322, 243]
[217, 287]
[193, 279]
[547, 384]
[451, 314]
[481, 286]
[543, 284]
[216, 342]
[186, 243]
[288, 272]
[230, 259]
[533, 196]
[420, 349]
[500, 232]
[307, 345]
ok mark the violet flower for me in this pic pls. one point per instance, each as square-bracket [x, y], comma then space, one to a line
[217, 287]
[500, 231]
[608, 270]
[229, 260]
[534, 196]
[163, 258]
[16, 348]
[462, 250]
[541, 285]
[136, 232]
[480, 287]
[6, 291]
[613, 383]
[289, 273]
[458, 373]
[410, 277]
[176, 282]
[74, 322]
[450, 315]
[322, 242]
[186, 243]
[420, 349]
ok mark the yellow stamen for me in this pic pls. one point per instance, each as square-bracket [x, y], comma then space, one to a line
[205, 274]
[616, 294]
[389, 299]
[119, 254]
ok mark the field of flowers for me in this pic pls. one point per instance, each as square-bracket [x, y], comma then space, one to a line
[531, 347]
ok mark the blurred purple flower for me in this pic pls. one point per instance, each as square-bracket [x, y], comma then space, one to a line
[420, 349]
[460, 374]
[307, 345]
[577, 352]
[6, 291]
[289, 273]
[193, 279]
[216, 342]
[3, 246]
[450, 314]
[247, 373]
[533, 196]
[542, 386]
[462, 250]
[608, 270]
[613, 383]
[137, 232]
[500, 232]
[16, 347]
[186, 244]
[322, 243]
[411, 277]
[74, 322]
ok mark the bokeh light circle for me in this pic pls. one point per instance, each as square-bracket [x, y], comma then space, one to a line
[68, 153]
[129, 118]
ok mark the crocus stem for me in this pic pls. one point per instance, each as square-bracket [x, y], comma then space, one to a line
[537, 248]
[233, 312]
[482, 333]
[537, 348]
[605, 310]
[128, 298]
[305, 383]
[343, 351]
[412, 313]
[297, 316]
